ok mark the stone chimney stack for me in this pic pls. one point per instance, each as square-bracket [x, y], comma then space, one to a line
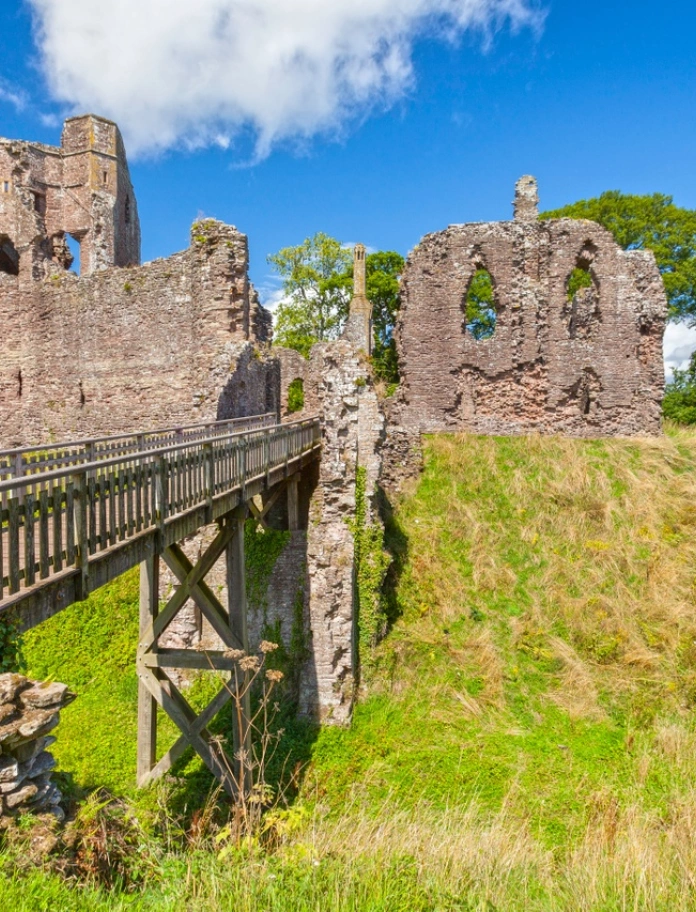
[358, 328]
[526, 203]
[359, 281]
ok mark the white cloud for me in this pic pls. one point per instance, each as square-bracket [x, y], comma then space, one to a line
[679, 343]
[272, 298]
[196, 73]
[13, 96]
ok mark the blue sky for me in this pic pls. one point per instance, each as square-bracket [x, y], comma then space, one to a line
[587, 97]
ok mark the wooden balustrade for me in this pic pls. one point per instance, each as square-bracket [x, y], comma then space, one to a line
[28, 461]
[70, 503]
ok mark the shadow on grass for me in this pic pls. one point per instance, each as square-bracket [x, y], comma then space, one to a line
[396, 543]
[293, 739]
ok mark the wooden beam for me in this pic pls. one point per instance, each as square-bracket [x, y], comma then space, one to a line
[172, 557]
[201, 593]
[181, 744]
[147, 705]
[176, 707]
[203, 660]
[294, 502]
[236, 594]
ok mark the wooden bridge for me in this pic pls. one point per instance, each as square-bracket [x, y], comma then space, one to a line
[74, 516]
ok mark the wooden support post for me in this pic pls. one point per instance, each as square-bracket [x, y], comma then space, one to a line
[294, 502]
[236, 590]
[81, 534]
[147, 705]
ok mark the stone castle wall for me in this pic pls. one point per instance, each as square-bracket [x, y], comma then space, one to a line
[590, 366]
[124, 349]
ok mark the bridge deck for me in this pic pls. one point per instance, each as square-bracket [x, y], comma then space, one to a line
[74, 516]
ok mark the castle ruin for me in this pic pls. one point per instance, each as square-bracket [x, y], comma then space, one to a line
[124, 346]
[554, 359]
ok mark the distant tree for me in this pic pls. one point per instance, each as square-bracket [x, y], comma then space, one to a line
[383, 271]
[650, 223]
[479, 306]
[679, 402]
[317, 285]
[295, 396]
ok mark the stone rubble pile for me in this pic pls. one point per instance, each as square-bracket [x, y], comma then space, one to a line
[29, 710]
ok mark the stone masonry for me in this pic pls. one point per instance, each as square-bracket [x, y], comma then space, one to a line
[29, 711]
[81, 188]
[125, 349]
[339, 389]
[185, 339]
[590, 366]
[122, 346]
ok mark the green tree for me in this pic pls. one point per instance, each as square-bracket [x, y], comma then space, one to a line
[316, 284]
[479, 306]
[679, 402]
[382, 273]
[651, 223]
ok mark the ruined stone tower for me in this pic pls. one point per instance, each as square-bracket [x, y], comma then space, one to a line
[80, 189]
[358, 329]
[526, 204]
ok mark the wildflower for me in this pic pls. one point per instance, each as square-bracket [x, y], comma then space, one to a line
[265, 646]
[234, 654]
[273, 674]
[250, 663]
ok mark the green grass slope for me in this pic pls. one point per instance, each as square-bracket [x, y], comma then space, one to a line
[526, 739]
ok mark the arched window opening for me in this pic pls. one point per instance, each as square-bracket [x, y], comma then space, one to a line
[127, 211]
[74, 264]
[581, 311]
[580, 277]
[479, 306]
[9, 258]
[296, 399]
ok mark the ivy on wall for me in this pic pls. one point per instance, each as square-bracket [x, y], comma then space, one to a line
[371, 563]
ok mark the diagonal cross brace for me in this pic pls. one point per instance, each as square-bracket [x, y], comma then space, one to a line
[192, 586]
[172, 702]
[152, 662]
[199, 726]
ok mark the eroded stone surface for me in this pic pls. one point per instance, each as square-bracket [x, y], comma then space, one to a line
[591, 366]
[40, 696]
[25, 764]
[340, 390]
[10, 685]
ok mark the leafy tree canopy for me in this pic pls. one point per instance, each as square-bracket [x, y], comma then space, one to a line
[652, 223]
[317, 287]
[479, 306]
[383, 270]
[679, 402]
[318, 284]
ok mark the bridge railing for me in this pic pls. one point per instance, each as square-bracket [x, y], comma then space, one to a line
[21, 462]
[55, 520]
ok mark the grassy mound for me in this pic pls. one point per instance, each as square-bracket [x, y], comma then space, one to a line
[527, 737]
